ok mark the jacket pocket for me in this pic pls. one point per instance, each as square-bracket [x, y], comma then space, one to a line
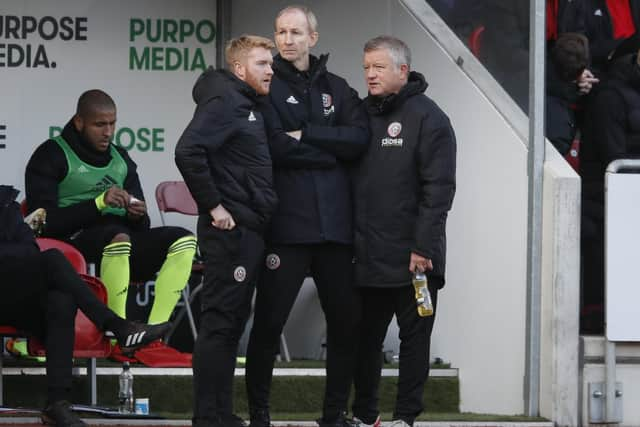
[259, 184]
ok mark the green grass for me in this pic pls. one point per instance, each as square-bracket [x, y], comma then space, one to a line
[313, 364]
[175, 394]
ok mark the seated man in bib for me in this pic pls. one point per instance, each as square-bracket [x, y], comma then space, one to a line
[91, 192]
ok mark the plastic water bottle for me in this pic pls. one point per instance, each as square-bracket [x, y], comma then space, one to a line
[423, 297]
[125, 389]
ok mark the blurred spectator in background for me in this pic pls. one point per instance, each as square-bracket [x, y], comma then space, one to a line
[611, 26]
[568, 80]
[564, 16]
[505, 40]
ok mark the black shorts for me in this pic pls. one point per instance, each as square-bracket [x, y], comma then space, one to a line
[148, 248]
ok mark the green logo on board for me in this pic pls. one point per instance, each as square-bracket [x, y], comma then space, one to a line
[164, 44]
[141, 139]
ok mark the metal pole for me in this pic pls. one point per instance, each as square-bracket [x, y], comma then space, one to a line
[534, 220]
[92, 371]
[223, 24]
[610, 381]
[609, 346]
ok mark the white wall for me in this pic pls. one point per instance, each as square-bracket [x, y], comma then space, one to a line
[481, 320]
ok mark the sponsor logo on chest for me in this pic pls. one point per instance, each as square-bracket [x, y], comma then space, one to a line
[392, 140]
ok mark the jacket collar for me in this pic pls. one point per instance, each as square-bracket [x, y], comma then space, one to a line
[416, 85]
[82, 147]
[287, 71]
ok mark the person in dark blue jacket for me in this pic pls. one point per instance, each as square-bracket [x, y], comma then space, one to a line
[224, 158]
[41, 294]
[404, 188]
[317, 128]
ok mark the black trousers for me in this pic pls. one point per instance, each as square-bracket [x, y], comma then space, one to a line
[331, 267]
[41, 295]
[148, 247]
[379, 306]
[232, 260]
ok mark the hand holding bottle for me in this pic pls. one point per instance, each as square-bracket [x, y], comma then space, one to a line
[419, 263]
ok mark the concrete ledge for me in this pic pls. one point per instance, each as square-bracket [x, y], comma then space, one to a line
[181, 372]
[594, 348]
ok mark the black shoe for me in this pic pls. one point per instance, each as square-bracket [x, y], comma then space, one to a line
[230, 421]
[203, 422]
[260, 418]
[340, 421]
[59, 414]
[134, 335]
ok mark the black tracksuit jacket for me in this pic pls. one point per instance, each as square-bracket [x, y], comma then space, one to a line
[404, 187]
[223, 153]
[311, 175]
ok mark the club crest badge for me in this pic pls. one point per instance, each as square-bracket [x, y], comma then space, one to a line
[272, 261]
[326, 100]
[240, 274]
[394, 129]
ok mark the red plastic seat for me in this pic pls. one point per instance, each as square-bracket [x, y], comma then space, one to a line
[89, 340]
[475, 41]
[72, 254]
[9, 331]
[174, 196]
